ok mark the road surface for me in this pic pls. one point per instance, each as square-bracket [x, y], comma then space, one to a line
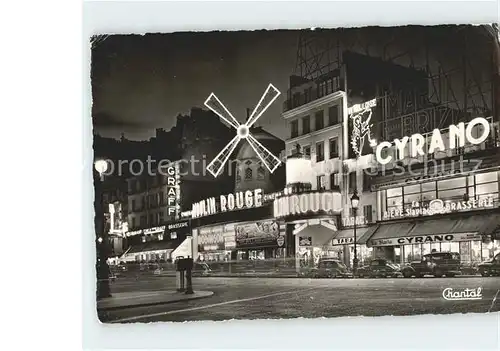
[256, 298]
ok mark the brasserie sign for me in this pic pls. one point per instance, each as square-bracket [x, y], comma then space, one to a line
[437, 206]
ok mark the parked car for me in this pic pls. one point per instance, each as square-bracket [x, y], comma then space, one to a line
[490, 268]
[380, 268]
[436, 264]
[330, 268]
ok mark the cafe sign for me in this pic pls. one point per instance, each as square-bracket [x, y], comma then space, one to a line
[148, 231]
[238, 201]
[437, 206]
[343, 241]
[307, 203]
[424, 239]
[349, 221]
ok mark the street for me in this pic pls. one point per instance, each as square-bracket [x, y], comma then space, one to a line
[264, 298]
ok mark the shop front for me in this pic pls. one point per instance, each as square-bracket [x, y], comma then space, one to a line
[245, 230]
[450, 213]
[467, 234]
[312, 219]
[156, 244]
[342, 245]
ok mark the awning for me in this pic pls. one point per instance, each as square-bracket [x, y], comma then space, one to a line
[316, 235]
[153, 246]
[484, 224]
[346, 236]
[385, 234]
[430, 230]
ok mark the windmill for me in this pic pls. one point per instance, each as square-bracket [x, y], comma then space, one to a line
[243, 131]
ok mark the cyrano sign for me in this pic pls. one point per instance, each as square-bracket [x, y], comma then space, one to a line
[307, 203]
[458, 135]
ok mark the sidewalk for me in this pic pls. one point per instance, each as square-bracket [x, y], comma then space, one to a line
[147, 298]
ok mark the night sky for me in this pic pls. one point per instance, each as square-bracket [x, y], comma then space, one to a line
[140, 83]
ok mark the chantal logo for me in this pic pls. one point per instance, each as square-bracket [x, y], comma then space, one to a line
[243, 131]
[462, 294]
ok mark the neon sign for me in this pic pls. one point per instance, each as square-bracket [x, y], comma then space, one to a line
[243, 131]
[437, 206]
[458, 135]
[301, 204]
[243, 199]
[361, 115]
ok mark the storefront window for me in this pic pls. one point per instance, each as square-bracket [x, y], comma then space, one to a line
[486, 177]
[451, 183]
[394, 192]
[429, 186]
[488, 188]
[465, 257]
[411, 189]
[476, 251]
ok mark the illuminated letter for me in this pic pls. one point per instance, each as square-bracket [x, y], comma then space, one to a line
[327, 202]
[417, 145]
[248, 199]
[383, 161]
[239, 200]
[315, 206]
[471, 125]
[436, 142]
[294, 204]
[257, 194]
[457, 131]
[400, 146]
[223, 203]
[230, 202]
[303, 203]
[171, 170]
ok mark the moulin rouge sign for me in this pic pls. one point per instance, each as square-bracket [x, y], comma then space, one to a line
[241, 200]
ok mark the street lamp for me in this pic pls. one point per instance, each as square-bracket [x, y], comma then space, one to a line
[102, 268]
[354, 205]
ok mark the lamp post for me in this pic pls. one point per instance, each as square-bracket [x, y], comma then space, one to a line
[354, 205]
[102, 268]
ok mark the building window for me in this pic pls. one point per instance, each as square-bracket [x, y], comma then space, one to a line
[321, 182]
[160, 217]
[334, 180]
[143, 239]
[307, 150]
[320, 152]
[334, 148]
[143, 221]
[333, 115]
[133, 222]
[321, 89]
[238, 175]
[151, 219]
[161, 199]
[294, 129]
[319, 120]
[367, 213]
[248, 174]
[366, 182]
[160, 236]
[306, 125]
[296, 99]
[261, 173]
[352, 182]
[133, 205]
